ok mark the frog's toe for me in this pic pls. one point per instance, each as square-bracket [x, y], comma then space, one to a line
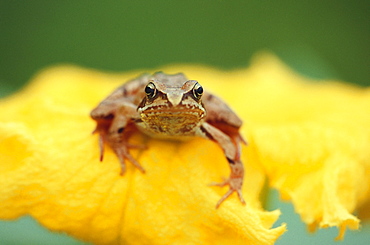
[235, 185]
[135, 163]
[220, 184]
[123, 154]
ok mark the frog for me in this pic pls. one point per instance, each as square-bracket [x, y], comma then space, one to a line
[170, 107]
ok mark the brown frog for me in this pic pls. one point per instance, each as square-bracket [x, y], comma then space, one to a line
[169, 107]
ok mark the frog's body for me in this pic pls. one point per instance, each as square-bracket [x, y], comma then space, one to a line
[169, 107]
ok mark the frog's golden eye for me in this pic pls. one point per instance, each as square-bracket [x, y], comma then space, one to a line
[150, 90]
[197, 91]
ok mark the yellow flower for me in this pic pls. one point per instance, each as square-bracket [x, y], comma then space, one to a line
[309, 140]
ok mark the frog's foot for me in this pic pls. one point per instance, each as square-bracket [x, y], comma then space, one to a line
[123, 154]
[235, 185]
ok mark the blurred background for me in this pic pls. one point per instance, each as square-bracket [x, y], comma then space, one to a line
[319, 38]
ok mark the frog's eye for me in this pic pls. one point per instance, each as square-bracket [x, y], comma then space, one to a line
[150, 90]
[198, 91]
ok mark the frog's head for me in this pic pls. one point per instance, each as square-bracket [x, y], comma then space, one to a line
[172, 93]
[172, 106]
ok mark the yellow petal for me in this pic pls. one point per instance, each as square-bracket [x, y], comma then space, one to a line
[310, 138]
[313, 139]
[50, 169]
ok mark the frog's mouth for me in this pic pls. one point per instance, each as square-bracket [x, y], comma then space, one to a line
[176, 111]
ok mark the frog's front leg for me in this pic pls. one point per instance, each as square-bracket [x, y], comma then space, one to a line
[117, 138]
[117, 134]
[231, 148]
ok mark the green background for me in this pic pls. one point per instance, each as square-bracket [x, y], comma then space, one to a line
[318, 38]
